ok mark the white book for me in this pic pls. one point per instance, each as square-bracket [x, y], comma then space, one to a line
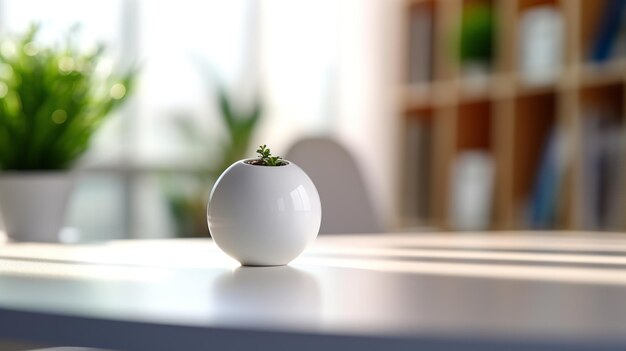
[420, 46]
[472, 190]
[541, 44]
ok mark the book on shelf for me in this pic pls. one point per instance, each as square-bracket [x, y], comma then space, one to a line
[417, 173]
[541, 48]
[609, 38]
[421, 24]
[614, 219]
[544, 204]
[603, 155]
[472, 178]
[603, 169]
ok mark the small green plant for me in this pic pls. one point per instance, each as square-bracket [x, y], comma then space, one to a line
[477, 32]
[267, 158]
[52, 100]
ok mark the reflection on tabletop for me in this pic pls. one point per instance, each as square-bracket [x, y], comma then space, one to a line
[395, 284]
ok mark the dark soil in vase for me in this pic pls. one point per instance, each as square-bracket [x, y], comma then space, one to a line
[259, 162]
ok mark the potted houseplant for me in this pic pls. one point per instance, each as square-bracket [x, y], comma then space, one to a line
[264, 211]
[52, 100]
[476, 37]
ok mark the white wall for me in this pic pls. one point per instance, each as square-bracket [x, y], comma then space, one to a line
[369, 74]
[332, 68]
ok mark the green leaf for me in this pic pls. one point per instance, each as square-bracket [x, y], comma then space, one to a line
[53, 101]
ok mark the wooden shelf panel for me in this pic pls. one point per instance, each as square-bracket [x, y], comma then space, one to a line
[474, 126]
[609, 97]
[503, 86]
[526, 4]
[610, 73]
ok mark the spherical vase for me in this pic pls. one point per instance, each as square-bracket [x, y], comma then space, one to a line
[263, 215]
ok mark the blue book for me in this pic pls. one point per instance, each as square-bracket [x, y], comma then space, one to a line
[608, 30]
[542, 211]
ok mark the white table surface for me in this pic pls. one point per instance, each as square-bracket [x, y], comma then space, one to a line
[504, 291]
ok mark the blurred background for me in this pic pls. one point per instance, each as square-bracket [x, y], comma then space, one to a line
[459, 114]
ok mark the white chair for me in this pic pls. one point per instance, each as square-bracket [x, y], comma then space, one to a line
[346, 204]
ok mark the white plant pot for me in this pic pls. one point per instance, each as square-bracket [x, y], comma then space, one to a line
[33, 204]
[264, 215]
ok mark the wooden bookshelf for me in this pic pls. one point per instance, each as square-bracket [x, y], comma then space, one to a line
[499, 112]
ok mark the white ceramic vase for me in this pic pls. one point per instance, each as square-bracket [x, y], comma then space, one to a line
[33, 204]
[264, 215]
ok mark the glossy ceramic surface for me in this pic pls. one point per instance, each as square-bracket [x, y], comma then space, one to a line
[264, 216]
